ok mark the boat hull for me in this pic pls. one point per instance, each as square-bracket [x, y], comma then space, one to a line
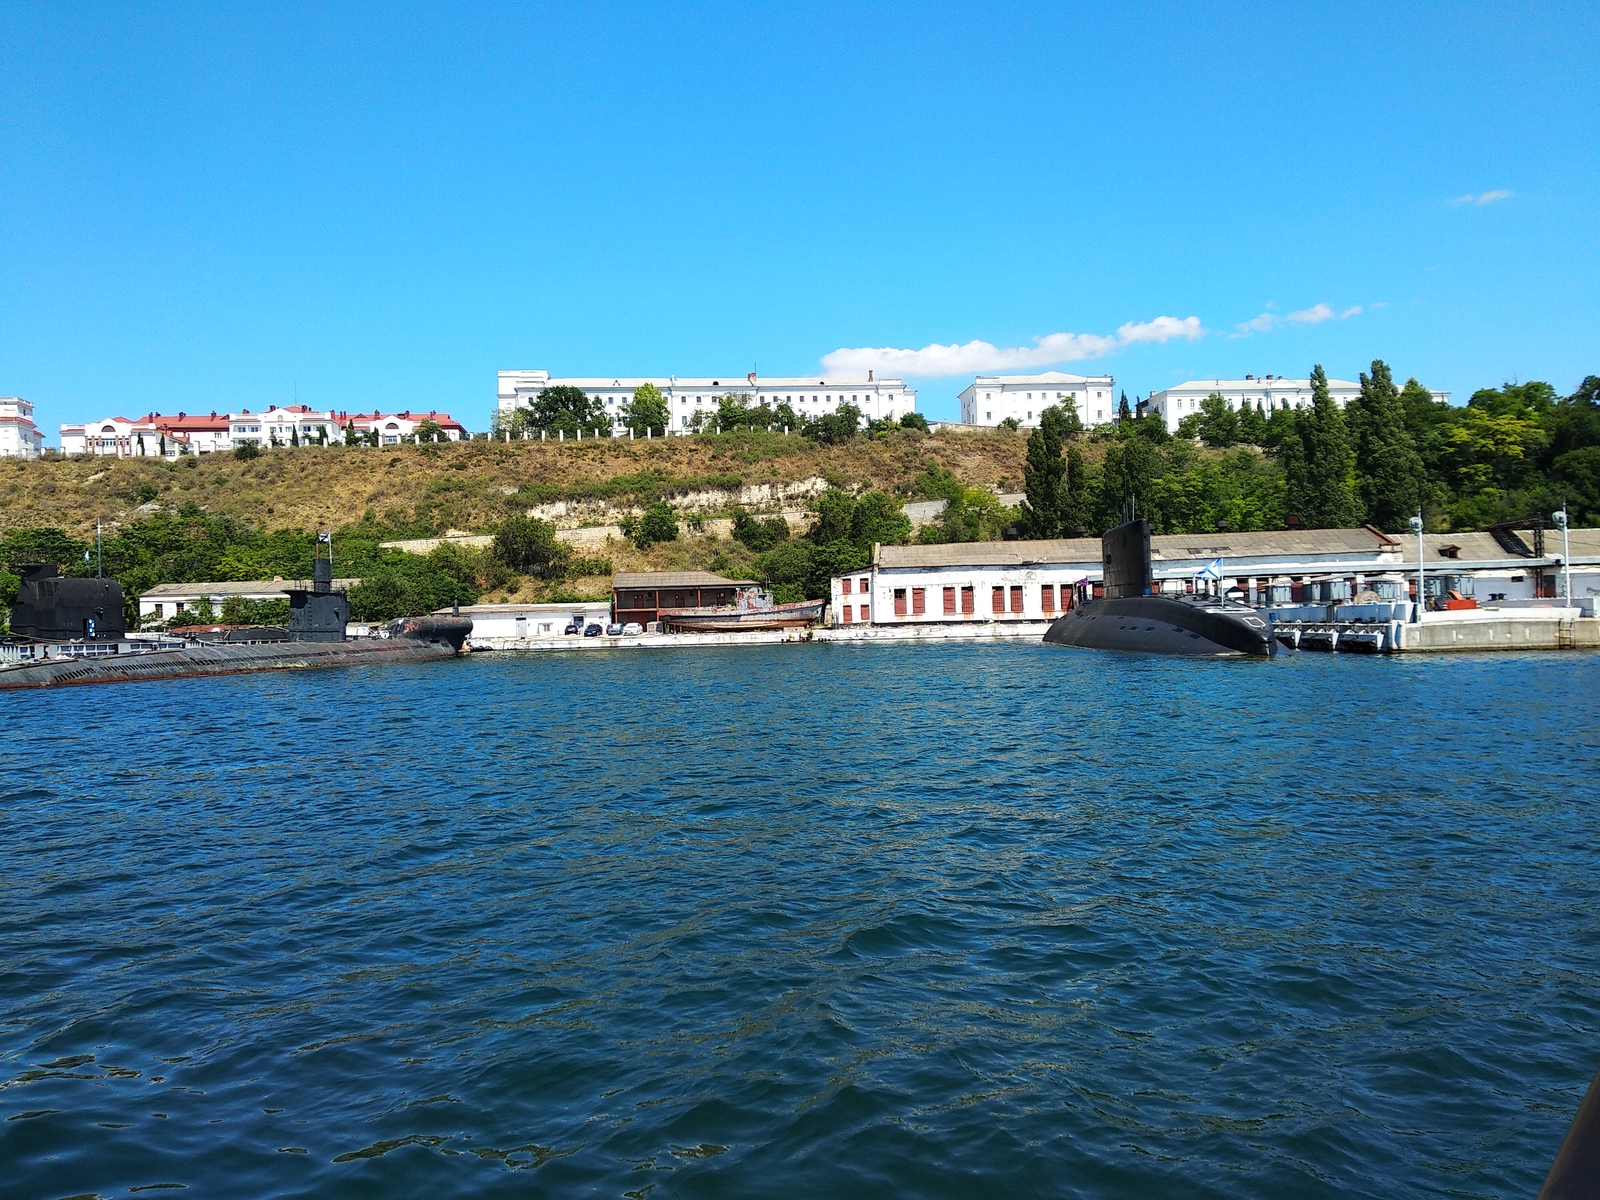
[729, 620]
[1158, 625]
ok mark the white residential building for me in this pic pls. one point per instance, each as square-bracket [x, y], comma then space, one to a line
[1265, 392]
[157, 435]
[19, 436]
[991, 399]
[878, 399]
[167, 600]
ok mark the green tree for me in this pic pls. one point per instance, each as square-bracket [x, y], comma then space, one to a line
[1124, 410]
[646, 413]
[1127, 478]
[1252, 424]
[529, 545]
[914, 420]
[1320, 465]
[566, 410]
[658, 524]
[757, 534]
[245, 451]
[429, 430]
[1043, 476]
[1389, 474]
[838, 426]
[1077, 498]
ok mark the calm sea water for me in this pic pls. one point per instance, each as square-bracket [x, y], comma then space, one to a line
[805, 920]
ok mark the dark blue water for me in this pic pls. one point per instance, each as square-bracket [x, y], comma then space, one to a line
[806, 920]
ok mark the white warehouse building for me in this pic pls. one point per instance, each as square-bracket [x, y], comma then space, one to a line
[991, 399]
[878, 399]
[1265, 392]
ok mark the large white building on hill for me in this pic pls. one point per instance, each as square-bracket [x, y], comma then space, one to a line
[991, 399]
[1266, 393]
[878, 399]
[19, 436]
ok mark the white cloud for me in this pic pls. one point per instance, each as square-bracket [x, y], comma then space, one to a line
[974, 358]
[1265, 323]
[1483, 198]
[1314, 315]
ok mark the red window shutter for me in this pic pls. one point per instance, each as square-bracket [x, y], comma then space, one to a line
[1047, 598]
[969, 601]
[950, 602]
[846, 587]
[846, 613]
[899, 602]
[998, 600]
[866, 612]
[1016, 598]
[919, 601]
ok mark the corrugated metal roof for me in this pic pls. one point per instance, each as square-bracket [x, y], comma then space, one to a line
[1168, 547]
[1481, 547]
[672, 579]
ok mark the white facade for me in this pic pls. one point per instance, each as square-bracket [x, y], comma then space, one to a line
[19, 436]
[1266, 392]
[167, 600]
[167, 436]
[991, 399]
[878, 399]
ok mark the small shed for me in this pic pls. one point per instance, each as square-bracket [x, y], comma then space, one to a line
[640, 595]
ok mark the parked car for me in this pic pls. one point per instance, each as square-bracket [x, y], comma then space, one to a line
[614, 630]
[593, 631]
[573, 627]
[633, 629]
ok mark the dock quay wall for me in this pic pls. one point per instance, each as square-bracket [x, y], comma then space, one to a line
[1526, 630]
[1009, 631]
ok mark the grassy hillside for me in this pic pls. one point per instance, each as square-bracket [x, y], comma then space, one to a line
[473, 485]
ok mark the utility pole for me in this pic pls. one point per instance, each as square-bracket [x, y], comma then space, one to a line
[99, 558]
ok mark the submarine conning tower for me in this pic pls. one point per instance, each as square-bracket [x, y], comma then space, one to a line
[52, 608]
[318, 614]
[1125, 560]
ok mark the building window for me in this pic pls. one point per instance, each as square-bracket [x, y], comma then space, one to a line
[866, 612]
[846, 587]
[949, 602]
[969, 601]
[863, 587]
[998, 600]
[919, 601]
[1047, 598]
[846, 612]
[1016, 598]
[899, 602]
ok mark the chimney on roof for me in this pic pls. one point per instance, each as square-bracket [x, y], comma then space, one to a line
[1249, 376]
[869, 374]
[180, 416]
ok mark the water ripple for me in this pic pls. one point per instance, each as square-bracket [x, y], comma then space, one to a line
[844, 921]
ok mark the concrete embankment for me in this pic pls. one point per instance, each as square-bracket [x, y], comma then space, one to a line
[1008, 632]
[1489, 629]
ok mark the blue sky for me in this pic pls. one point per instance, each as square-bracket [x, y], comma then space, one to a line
[221, 206]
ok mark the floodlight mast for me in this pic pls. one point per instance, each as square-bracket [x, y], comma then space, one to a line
[1560, 519]
[1416, 528]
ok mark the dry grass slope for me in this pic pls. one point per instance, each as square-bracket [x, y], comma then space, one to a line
[470, 485]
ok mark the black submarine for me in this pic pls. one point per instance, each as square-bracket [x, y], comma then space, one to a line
[1133, 619]
[72, 631]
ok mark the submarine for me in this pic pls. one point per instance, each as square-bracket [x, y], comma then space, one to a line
[71, 631]
[1132, 619]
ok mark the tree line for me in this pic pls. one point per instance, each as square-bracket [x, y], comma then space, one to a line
[1511, 452]
[569, 411]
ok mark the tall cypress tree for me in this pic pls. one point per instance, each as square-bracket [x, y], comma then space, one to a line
[1319, 466]
[1077, 498]
[1042, 476]
[1389, 474]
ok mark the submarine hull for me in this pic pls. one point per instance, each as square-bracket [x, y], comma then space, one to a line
[1159, 625]
[411, 639]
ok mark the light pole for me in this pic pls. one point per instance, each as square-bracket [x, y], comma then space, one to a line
[1560, 519]
[1416, 528]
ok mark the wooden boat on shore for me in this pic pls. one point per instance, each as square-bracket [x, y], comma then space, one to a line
[751, 609]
